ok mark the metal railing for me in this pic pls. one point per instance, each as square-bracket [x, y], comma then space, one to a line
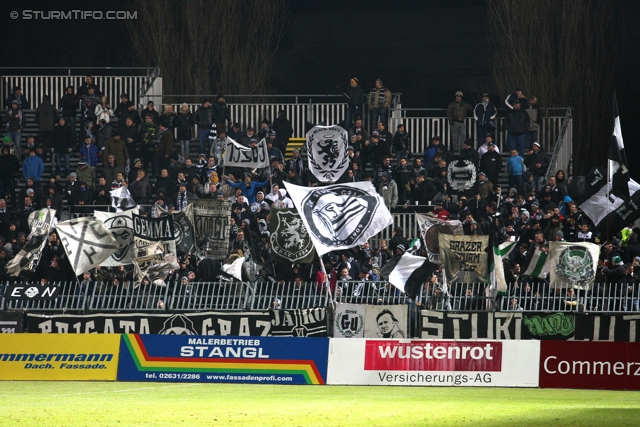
[563, 149]
[291, 295]
[601, 298]
[198, 296]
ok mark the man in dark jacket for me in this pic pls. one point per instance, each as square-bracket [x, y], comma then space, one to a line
[283, 129]
[130, 134]
[355, 100]
[9, 167]
[69, 104]
[62, 145]
[537, 160]
[46, 117]
[491, 164]
[17, 97]
[221, 113]
[164, 147]
[517, 125]
[485, 115]
[203, 117]
[151, 112]
[123, 110]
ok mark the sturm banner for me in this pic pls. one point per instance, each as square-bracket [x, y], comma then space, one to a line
[290, 241]
[349, 320]
[573, 264]
[121, 226]
[263, 360]
[211, 225]
[206, 323]
[464, 258]
[306, 322]
[461, 176]
[431, 228]
[479, 325]
[247, 157]
[327, 152]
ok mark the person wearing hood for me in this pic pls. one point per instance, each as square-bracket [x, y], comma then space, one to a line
[274, 195]
[283, 200]
[46, 117]
[388, 190]
[249, 187]
[33, 166]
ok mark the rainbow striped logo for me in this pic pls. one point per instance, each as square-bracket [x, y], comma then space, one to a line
[145, 363]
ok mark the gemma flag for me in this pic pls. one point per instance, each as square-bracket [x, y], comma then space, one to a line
[327, 152]
[340, 216]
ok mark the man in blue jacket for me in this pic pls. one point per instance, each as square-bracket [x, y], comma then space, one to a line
[249, 187]
[33, 166]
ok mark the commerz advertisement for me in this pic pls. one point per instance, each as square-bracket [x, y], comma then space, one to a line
[230, 359]
[468, 363]
[59, 357]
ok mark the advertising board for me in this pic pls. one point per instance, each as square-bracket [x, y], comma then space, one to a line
[59, 357]
[266, 360]
[479, 363]
[595, 365]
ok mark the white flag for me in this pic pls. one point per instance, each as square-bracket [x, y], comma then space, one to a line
[247, 157]
[340, 216]
[538, 266]
[121, 226]
[87, 243]
[121, 199]
[28, 257]
[573, 264]
[235, 268]
[327, 152]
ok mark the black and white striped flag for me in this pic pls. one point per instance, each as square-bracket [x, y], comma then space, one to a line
[408, 273]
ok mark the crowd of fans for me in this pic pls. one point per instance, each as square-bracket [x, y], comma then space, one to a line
[149, 152]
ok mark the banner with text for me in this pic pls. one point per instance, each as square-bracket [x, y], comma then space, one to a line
[464, 258]
[211, 225]
[433, 363]
[59, 357]
[178, 358]
[11, 322]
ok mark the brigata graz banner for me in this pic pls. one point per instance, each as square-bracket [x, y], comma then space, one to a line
[476, 363]
[268, 360]
[10, 322]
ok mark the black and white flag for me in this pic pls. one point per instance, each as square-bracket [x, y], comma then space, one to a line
[28, 257]
[408, 273]
[247, 157]
[290, 241]
[121, 199]
[462, 176]
[618, 166]
[120, 224]
[340, 216]
[87, 243]
[182, 228]
[431, 228]
[327, 152]
[156, 230]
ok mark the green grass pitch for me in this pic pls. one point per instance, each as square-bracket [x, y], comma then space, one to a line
[42, 404]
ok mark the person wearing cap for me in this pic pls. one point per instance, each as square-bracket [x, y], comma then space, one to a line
[9, 167]
[517, 124]
[87, 174]
[248, 136]
[469, 152]
[379, 101]
[204, 117]
[615, 273]
[485, 147]
[16, 123]
[63, 143]
[491, 163]
[388, 189]
[456, 114]
[537, 161]
[484, 114]
[272, 151]
[18, 98]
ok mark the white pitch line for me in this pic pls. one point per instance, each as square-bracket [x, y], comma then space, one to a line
[127, 390]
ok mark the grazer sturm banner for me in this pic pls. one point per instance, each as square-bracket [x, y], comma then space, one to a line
[305, 322]
[327, 152]
[464, 258]
[476, 363]
[267, 360]
[349, 320]
[87, 243]
[479, 325]
[573, 264]
[28, 257]
[211, 224]
[593, 365]
[120, 224]
[11, 322]
[206, 323]
[431, 228]
[340, 216]
[290, 241]
[386, 321]
[606, 327]
[247, 157]
[59, 357]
